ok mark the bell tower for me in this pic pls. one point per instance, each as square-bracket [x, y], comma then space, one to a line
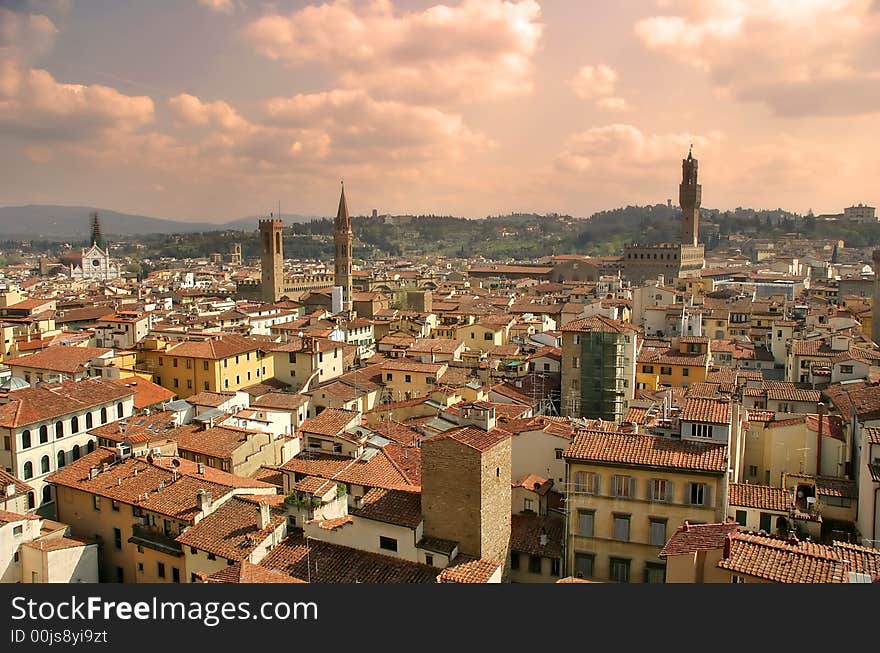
[342, 239]
[689, 198]
[272, 259]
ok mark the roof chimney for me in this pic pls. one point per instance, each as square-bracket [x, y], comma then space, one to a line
[201, 468]
[204, 499]
[264, 519]
[93, 472]
[10, 490]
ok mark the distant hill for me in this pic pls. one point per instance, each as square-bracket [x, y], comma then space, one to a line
[72, 222]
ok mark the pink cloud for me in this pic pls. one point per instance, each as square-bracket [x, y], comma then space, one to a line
[807, 57]
[594, 81]
[25, 37]
[475, 51]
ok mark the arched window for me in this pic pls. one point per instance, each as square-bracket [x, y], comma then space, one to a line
[44, 434]
[26, 439]
[61, 459]
[90, 447]
[28, 470]
[44, 465]
[47, 494]
[89, 422]
[74, 424]
[104, 415]
[119, 410]
[32, 502]
[74, 453]
[59, 429]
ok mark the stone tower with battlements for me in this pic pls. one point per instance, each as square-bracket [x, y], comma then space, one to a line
[272, 259]
[689, 197]
[342, 239]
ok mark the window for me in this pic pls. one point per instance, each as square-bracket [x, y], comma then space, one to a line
[175, 362]
[528, 505]
[737, 579]
[161, 569]
[685, 372]
[59, 430]
[621, 528]
[586, 483]
[558, 454]
[205, 384]
[74, 424]
[44, 465]
[96, 502]
[60, 459]
[584, 563]
[17, 530]
[205, 363]
[623, 486]
[655, 573]
[661, 490]
[846, 369]
[575, 362]
[117, 538]
[44, 434]
[211, 556]
[620, 570]
[429, 560]
[407, 378]
[188, 364]
[514, 561]
[26, 439]
[387, 543]
[114, 505]
[702, 430]
[104, 415]
[31, 500]
[741, 517]
[175, 382]
[586, 522]
[658, 531]
[648, 369]
[140, 567]
[189, 384]
[698, 494]
[74, 453]
[666, 370]
[534, 564]
[554, 567]
[89, 422]
[28, 470]
[753, 471]
[487, 336]
[175, 575]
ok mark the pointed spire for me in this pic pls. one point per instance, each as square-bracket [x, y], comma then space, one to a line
[691, 152]
[342, 219]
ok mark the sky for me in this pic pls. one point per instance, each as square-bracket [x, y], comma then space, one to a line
[216, 109]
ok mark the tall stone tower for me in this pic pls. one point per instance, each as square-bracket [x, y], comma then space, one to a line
[272, 259]
[342, 238]
[875, 305]
[95, 225]
[689, 197]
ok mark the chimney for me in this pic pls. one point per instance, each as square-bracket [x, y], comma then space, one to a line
[10, 490]
[201, 468]
[263, 520]
[93, 472]
[204, 499]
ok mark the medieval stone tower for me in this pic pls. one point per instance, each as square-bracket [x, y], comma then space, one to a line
[875, 306]
[272, 259]
[342, 238]
[689, 197]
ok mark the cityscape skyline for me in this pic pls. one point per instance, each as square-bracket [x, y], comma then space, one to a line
[473, 108]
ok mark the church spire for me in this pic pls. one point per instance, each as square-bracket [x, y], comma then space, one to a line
[343, 221]
[97, 238]
[342, 239]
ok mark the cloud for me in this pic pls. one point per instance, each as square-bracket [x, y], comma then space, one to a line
[25, 37]
[594, 81]
[478, 50]
[804, 57]
[622, 152]
[223, 6]
[34, 104]
[612, 104]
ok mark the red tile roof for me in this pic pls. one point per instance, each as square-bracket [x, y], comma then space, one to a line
[647, 451]
[710, 411]
[51, 400]
[473, 437]
[391, 506]
[472, 571]
[146, 393]
[232, 530]
[765, 497]
[330, 421]
[59, 359]
[690, 538]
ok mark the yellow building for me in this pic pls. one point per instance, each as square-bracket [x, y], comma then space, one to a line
[220, 364]
[626, 493]
[407, 379]
[682, 367]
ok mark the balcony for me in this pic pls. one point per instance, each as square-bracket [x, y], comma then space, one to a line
[156, 540]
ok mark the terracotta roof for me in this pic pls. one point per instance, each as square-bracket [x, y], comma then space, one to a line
[647, 451]
[56, 544]
[50, 400]
[146, 393]
[218, 442]
[526, 531]
[232, 530]
[766, 497]
[711, 411]
[321, 562]
[246, 572]
[378, 471]
[7, 479]
[472, 571]
[281, 400]
[7, 517]
[690, 538]
[330, 421]
[598, 324]
[392, 507]
[215, 348]
[793, 561]
[472, 437]
[59, 358]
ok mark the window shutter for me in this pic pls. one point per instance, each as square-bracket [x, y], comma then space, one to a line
[670, 492]
[613, 491]
[632, 487]
[596, 481]
[707, 495]
[688, 493]
[651, 482]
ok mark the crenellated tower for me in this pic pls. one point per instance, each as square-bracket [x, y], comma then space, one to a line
[689, 197]
[272, 259]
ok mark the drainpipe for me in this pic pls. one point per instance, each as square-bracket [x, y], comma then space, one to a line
[821, 408]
